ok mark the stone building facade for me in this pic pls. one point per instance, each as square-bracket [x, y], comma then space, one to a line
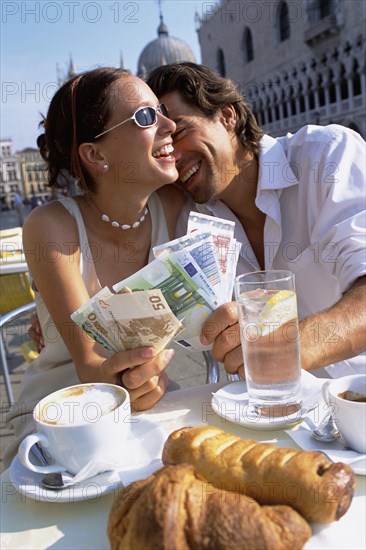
[10, 174]
[297, 61]
[163, 50]
[33, 173]
[23, 172]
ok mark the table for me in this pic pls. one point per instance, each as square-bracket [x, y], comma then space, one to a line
[82, 525]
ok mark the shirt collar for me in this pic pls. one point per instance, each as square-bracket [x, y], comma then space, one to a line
[275, 171]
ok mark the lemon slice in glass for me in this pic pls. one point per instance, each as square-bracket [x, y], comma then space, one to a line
[279, 309]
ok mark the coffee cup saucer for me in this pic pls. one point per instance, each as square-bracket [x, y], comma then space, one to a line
[142, 451]
[232, 403]
[336, 451]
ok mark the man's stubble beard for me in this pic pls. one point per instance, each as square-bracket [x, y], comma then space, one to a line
[206, 190]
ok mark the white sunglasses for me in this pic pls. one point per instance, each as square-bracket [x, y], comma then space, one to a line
[143, 117]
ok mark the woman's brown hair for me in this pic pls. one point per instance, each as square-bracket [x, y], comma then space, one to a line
[78, 112]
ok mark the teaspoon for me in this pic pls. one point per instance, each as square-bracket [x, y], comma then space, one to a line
[327, 430]
[50, 481]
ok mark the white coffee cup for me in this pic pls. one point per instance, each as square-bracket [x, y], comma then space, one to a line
[350, 416]
[78, 425]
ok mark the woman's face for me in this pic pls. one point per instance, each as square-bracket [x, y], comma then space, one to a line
[134, 154]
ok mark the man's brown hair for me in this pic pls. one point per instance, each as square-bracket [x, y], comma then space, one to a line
[201, 87]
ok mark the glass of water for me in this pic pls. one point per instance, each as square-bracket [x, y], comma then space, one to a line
[269, 333]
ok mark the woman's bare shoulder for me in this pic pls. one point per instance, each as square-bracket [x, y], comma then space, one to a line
[47, 221]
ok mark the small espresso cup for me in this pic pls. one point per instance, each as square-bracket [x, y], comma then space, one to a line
[78, 425]
[349, 415]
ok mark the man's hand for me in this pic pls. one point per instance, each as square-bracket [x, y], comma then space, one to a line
[222, 328]
[326, 337]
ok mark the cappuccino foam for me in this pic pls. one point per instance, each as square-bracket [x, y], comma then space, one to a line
[79, 405]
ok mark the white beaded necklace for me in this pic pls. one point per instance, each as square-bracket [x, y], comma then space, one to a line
[118, 225]
[126, 226]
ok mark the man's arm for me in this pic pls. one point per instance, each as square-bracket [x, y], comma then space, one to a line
[326, 337]
[337, 333]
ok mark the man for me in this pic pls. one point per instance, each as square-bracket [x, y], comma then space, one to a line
[298, 202]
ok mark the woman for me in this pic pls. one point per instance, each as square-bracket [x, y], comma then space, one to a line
[106, 129]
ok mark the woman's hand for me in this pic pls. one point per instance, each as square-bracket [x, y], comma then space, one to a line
[222, 328]
[35, 332]
[141, 372]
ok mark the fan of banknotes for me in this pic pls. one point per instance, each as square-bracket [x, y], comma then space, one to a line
[172, 296]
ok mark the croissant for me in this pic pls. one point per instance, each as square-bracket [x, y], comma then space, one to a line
[175, 510]
[320, 490]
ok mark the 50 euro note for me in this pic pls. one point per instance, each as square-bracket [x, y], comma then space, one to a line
[173, 275]
[92, 322]
[128, 320]
[142, 319]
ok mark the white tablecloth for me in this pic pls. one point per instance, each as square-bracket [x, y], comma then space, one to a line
[27, 524]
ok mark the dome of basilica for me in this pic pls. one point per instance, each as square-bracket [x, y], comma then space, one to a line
[163, 50]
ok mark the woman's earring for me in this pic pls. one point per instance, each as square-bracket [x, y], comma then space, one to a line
[105, 166]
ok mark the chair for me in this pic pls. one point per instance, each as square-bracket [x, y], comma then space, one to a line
[5, 320]
[16, 294]
[11, 245]
[212, 368]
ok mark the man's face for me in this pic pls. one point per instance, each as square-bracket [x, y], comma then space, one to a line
[203, 148]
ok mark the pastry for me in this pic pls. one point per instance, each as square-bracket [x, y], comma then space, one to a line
[176, 510]
[320, 490]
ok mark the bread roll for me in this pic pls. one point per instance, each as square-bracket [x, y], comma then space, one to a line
[175, 510]
[320, 490]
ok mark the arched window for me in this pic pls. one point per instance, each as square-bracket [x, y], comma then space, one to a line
[276, 108]
[292, 101]
[248, 46]
[269, 110]
[311, 95]
[283, 22]
[324, 8]
[343, 83]
[321, 94]
[331, 87]
[319, 9]
[284, 104]
[301, 99]
[261, 113]
[356, 80]
[221, 62]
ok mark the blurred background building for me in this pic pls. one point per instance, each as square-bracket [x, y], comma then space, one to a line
[33, 173]
[22, 172]
[297, 62]
[163, 50]
[10, 175]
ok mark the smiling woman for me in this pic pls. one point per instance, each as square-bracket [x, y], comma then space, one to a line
[106, 130]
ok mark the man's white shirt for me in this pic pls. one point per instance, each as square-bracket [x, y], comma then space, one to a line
[311, 187]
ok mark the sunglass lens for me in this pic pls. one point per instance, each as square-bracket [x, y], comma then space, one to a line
[164, 111]
[146, 116]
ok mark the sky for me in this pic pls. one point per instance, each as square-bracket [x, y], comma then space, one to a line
[39, 37]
